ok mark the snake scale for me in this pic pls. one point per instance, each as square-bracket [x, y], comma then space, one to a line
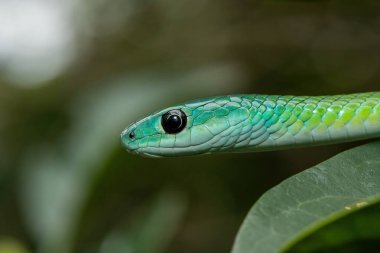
[248, 123]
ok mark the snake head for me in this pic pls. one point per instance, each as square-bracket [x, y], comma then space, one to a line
[158, 134]
[198, 127]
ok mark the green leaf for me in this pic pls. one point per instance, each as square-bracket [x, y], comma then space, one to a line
[308, 201]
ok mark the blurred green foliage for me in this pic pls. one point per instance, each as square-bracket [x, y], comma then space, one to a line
[358, 232]
[66, 185]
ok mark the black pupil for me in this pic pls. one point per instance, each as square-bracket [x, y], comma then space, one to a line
[173, 121]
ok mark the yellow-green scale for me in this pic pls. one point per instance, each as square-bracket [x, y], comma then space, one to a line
[321, 119]
[237, 123]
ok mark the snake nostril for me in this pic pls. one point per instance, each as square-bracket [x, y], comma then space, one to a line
[131, 135]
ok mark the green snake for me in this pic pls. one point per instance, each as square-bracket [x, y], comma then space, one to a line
[247, 123]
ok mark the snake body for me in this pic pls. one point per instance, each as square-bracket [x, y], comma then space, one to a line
[245, 123]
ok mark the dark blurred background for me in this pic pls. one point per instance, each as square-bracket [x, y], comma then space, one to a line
[74, 73]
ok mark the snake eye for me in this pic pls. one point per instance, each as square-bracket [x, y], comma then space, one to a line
[174, 121]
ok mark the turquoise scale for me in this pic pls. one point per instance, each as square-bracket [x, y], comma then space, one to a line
[242, 123]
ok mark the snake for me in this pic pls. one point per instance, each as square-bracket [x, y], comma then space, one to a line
[254, 122]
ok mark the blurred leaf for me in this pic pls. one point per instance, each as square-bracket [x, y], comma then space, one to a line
[311, 199]
[357, 232]
[57, 180]
[8, 245]
[153, 230]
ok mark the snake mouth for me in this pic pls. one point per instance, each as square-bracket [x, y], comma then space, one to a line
[149, 155]
[131, 143]
[128, 138]
[128, 147]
